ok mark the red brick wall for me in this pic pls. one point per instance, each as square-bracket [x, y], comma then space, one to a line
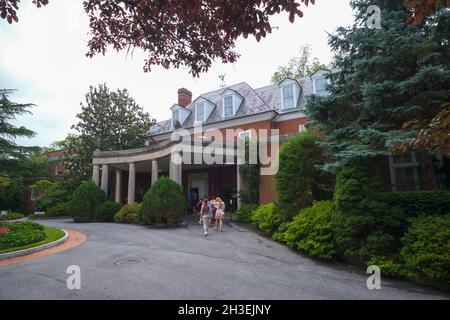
[290, 126]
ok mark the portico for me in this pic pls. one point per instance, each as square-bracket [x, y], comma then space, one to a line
[126, 175]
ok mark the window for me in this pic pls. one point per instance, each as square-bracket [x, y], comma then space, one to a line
[200, 112]
[33, 194]
[288, 100]
[56, 170]
[302, 128]
[228, 106]
[404, 172]
[175, 117]
[245, 134]
[320, 86]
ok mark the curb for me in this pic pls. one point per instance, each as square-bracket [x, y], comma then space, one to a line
[24, 252]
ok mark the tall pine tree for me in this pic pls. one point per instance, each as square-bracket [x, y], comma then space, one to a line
[385, 79]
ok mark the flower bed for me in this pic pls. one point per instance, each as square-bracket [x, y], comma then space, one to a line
[16, 234]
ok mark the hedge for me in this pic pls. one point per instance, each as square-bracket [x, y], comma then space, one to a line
[298, 157]
[420, 202]
[244, 213]
[426, 248]
[106, 211]
[11, 216]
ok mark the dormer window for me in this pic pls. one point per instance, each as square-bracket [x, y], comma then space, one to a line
[321, 82]
[320, 86]
[290, 91]
[175, 117]
[228, 109]
[288, 96]
[231, 102]
[200, 112]
[179, 115]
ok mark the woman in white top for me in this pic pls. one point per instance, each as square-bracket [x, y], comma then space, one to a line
[220, 212]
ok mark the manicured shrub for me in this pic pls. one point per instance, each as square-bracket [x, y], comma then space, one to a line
[426, 250]
[267, 218]
[311, 230]
[244, 213]
[364, 226]
[129, 213]
[59, 210]
[421, 202]
[15, 234]
[388, 267]
[164, 203]
[298, 157]
[85, 201]
[106, 211]
[11, 216]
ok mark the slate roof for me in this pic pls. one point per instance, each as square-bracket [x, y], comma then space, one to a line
[255, 101]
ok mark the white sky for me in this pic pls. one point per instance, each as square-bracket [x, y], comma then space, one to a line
[43, 56]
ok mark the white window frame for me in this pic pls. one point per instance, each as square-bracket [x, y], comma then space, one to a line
[201, 103]
[247, 134]
[174, 121]
[302, 128]
[33, 194]
[315, 87]
[283, 107]
[232, 105]
[414, 164]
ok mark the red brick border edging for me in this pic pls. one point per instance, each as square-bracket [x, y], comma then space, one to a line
[76, 238]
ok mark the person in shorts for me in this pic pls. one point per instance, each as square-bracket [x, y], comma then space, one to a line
[220, 213]
[205, 216]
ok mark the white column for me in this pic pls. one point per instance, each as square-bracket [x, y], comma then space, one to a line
[154, 171]
[238, 185]
[175, 171]
[104, 185]
[118, 196]
[95, 173]
[131, 183]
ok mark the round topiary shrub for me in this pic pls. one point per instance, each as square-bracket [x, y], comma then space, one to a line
[106, 211]
[85, 201]
[164, 203]
[129, 213]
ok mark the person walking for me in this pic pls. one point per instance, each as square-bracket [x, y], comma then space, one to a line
[205, 216]
[220, 213]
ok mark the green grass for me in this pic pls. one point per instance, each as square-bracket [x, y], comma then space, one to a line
[52, 234]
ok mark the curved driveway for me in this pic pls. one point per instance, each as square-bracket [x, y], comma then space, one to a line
[181, 264]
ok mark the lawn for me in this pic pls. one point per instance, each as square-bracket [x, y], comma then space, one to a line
[52, 234]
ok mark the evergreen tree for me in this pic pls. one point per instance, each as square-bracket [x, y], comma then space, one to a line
[386, 79]
[9, 111]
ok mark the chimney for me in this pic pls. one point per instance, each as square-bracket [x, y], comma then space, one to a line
[184, 97]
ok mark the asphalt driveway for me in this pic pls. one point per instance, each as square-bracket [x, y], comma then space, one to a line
[122, 261]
